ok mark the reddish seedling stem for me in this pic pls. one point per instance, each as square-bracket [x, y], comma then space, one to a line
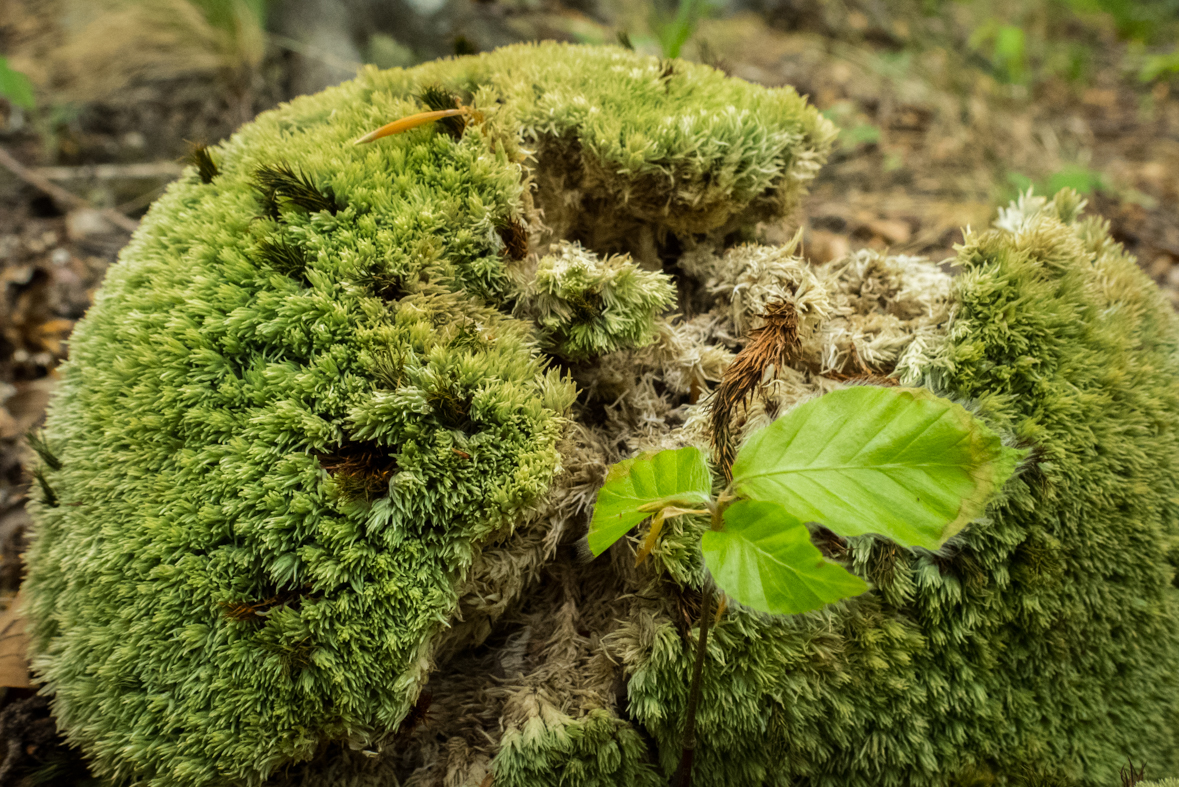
[683, 774]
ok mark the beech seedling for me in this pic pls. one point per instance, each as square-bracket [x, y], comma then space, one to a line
[901, 463]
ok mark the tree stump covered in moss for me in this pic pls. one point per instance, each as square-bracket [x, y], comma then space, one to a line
[331, 431]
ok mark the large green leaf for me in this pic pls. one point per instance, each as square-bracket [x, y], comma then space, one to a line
[899, 462]
[637, 488]
[764, 559]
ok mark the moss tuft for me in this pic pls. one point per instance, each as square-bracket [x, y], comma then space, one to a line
[280, 185]
[202, 159]
[587, 306]
[598, 750]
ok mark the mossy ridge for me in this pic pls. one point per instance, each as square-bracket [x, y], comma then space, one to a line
[697, 154]
[204, 385]
[1046, 637]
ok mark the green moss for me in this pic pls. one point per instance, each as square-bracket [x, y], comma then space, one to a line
[1047, 638]
[598, 750]
[299, 406]
[587, 307]
[308, 431]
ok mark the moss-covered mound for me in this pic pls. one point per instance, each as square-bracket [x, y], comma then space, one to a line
[319, 467]
[300, 420]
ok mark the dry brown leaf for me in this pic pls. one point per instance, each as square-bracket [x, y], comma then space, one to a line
[9, 428]
[28, 404]
[824, 246]
[52, 333]
[891, 231]
[1100, 97]
[14, 643]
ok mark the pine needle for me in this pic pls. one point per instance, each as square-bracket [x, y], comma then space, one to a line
[48, 496]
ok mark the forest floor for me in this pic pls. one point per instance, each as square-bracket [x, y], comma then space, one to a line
[935, 137]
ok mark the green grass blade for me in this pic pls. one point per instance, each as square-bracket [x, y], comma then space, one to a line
[765, 560]
[677, 477]
[899, 462]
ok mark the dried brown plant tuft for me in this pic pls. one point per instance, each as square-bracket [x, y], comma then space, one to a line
[769, 346]
[1131, 776]
[361, 470]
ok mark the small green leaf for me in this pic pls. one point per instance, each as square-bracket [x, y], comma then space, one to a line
[899, 462]
[15, 86]
[641, 486]
[764, 559]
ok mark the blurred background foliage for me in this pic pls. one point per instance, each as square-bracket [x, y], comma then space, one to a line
[249, 54]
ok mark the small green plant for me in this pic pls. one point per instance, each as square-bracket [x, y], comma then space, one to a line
[1077, 177]
[900, 463]
[853, 131]
[1159, 66]
[1135, 20]
[674, 30]
[1007, 45]
[1010, 53]
[15, 87]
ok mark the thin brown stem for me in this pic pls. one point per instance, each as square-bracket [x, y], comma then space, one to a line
[683, 774]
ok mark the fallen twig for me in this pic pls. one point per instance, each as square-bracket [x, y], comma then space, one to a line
[59, 194]
[151, 169]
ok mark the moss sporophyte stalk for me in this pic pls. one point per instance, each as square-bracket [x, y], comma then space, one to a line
[313, 479]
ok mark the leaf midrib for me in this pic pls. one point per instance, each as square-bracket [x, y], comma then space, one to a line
[844, 468]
